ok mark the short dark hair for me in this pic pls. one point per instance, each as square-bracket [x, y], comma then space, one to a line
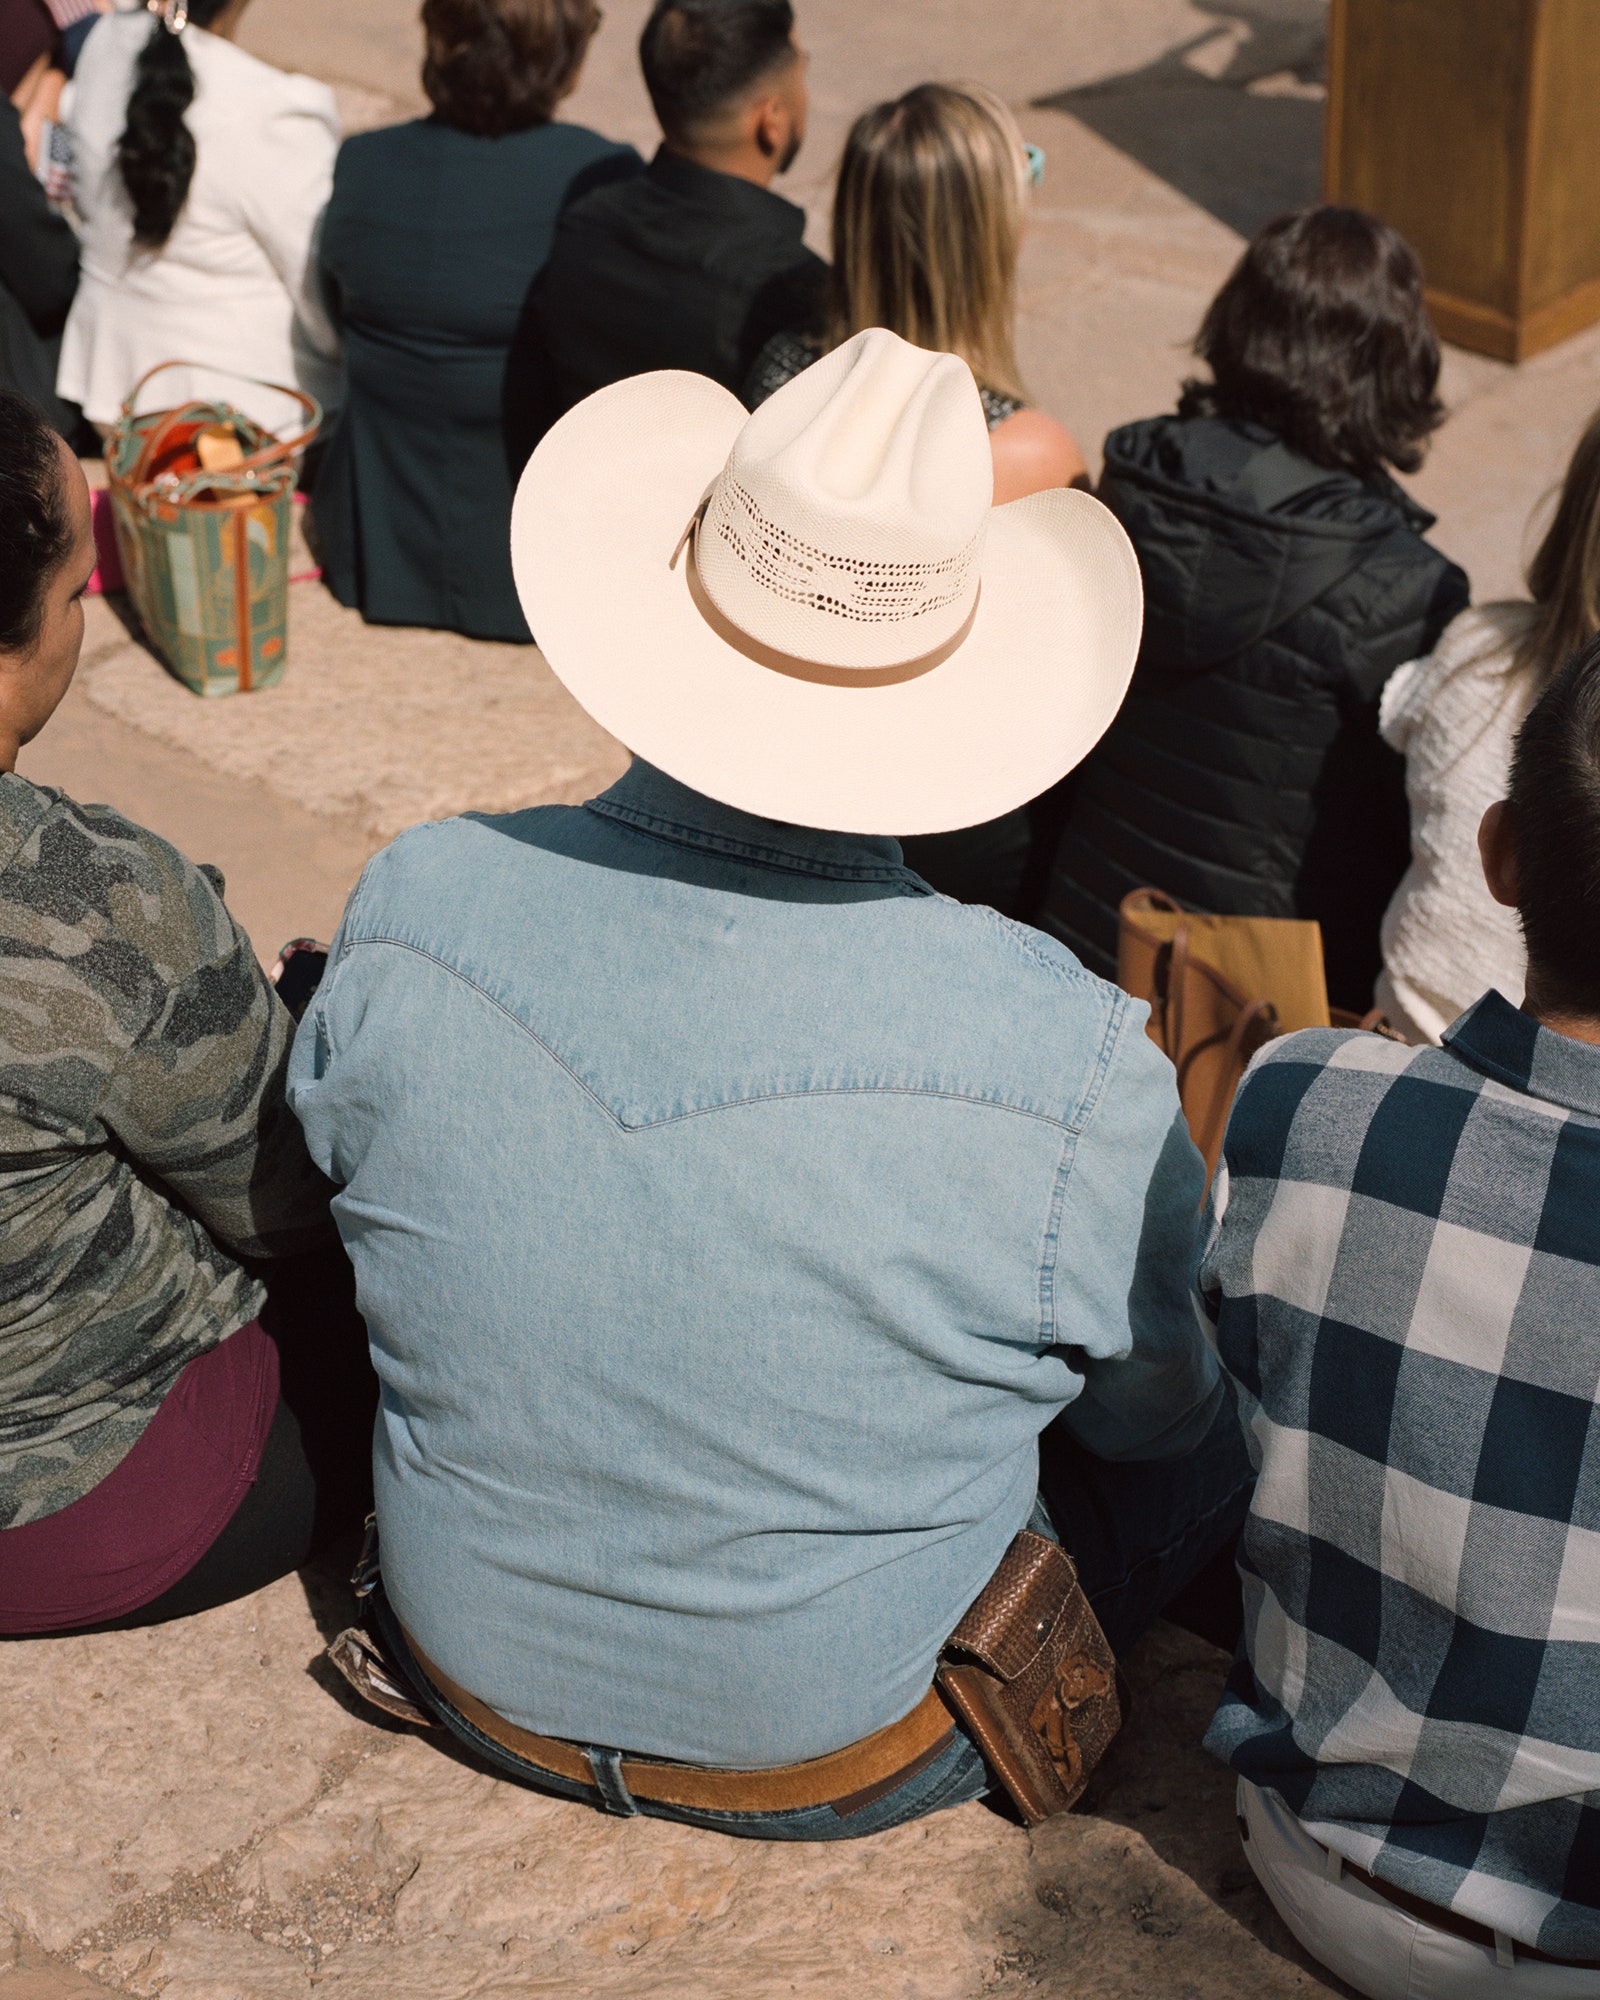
[699, 56]
[35, 524]
[1321, 334]
[498, 66]
[1554, 806]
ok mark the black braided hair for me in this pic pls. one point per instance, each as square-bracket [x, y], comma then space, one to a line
[155, 154]
[35, 526]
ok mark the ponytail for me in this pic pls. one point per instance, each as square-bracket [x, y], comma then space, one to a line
[155, 154]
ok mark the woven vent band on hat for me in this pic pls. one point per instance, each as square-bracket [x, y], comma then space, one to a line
[871, 593]
[846, 529]
[790, 663]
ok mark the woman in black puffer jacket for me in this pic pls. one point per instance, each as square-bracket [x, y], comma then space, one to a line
[1285, 579]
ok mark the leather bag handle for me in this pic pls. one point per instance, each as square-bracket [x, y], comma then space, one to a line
[1258, 1013]
[272, 454]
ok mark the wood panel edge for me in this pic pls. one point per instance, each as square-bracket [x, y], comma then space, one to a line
[1559, 320]
[1333, 103]
[1486, 330]
[1464, 323]
[1530, 118]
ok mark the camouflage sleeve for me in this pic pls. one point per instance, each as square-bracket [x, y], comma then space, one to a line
[198, 1101]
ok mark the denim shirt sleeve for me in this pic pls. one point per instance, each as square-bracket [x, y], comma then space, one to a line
[311, 1053]
[1125, 1259]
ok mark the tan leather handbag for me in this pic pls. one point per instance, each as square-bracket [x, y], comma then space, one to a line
[1219, 988]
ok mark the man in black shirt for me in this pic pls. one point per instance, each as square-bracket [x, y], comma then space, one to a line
[695, 263]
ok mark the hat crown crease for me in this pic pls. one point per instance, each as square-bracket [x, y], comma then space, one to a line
[847, 526]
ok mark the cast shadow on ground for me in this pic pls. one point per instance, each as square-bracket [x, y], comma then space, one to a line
[331, 1602]
[1159, 1781]
[1231, 118]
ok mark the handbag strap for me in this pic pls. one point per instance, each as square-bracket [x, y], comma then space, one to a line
[1254, 1020]
[1259, 1016]
[1178, 962]
[271, 454]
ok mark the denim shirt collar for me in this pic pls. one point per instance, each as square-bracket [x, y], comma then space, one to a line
[1503, 1042]
[656, 804]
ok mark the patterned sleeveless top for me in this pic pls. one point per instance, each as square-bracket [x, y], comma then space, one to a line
[787, 354]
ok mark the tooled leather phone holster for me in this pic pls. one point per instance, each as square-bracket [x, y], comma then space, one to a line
[1028, 1670]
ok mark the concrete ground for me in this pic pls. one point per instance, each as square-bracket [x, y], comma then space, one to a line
[1172, 130]
[198, 1812]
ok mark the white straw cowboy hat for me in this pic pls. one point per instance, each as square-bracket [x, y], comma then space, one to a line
[814, 613]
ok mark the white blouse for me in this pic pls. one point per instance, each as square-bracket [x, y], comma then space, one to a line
[1446, 941]
[233, 287]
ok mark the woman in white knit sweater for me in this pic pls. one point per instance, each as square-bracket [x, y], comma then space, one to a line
[1454, 715]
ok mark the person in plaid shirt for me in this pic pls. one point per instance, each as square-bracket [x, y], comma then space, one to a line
[1403, 1271]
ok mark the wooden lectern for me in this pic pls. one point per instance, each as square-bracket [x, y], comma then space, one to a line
[1471, 126]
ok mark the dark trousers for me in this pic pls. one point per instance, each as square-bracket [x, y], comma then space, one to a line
[314, 1482]
[1154, 1536]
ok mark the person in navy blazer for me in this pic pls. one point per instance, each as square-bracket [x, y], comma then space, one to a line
[434, 234]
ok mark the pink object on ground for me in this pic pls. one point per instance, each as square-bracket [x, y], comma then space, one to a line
[108, 570]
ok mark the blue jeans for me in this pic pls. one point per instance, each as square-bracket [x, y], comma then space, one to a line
[1138, 1533]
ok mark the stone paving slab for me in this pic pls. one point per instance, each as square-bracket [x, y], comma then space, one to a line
[1169, 127]
[200, 1812]
[378, 727]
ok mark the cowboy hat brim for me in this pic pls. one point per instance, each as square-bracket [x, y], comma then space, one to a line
[602, 509]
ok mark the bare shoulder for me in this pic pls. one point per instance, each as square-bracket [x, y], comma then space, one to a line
[1032, 453]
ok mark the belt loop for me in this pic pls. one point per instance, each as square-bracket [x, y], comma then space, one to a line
[608, 1782]
[1505, 1952]
[1332, 1866]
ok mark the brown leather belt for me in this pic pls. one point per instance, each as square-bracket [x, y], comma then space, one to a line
[1454, 1923]
[849, 1780]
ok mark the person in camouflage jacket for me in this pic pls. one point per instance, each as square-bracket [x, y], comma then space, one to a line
[151, 1173]
[147, 1157]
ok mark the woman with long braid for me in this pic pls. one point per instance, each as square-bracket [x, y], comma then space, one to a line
[200, 174]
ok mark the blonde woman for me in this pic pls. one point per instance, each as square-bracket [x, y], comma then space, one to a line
[1453, 715]
[927, 218]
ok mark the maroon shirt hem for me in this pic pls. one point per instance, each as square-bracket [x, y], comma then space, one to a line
[151, 1520]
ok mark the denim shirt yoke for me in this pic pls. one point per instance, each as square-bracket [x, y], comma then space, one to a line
[707, 1182]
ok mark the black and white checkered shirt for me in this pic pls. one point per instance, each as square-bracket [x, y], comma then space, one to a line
[1405, 1280]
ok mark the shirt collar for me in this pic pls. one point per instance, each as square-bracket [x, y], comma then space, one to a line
[1507, 1044]
[725, 194]
[648, 799]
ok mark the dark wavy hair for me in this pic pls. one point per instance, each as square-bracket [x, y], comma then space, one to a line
[155, 154]
[1321, 335]
[497, 66]
[1554, 806]
[35, 526]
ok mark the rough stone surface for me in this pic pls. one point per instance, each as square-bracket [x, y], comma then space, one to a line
[200, 1812]
[1171, 130]
[382, 728]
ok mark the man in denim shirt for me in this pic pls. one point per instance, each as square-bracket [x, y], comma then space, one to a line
[731, 1213]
